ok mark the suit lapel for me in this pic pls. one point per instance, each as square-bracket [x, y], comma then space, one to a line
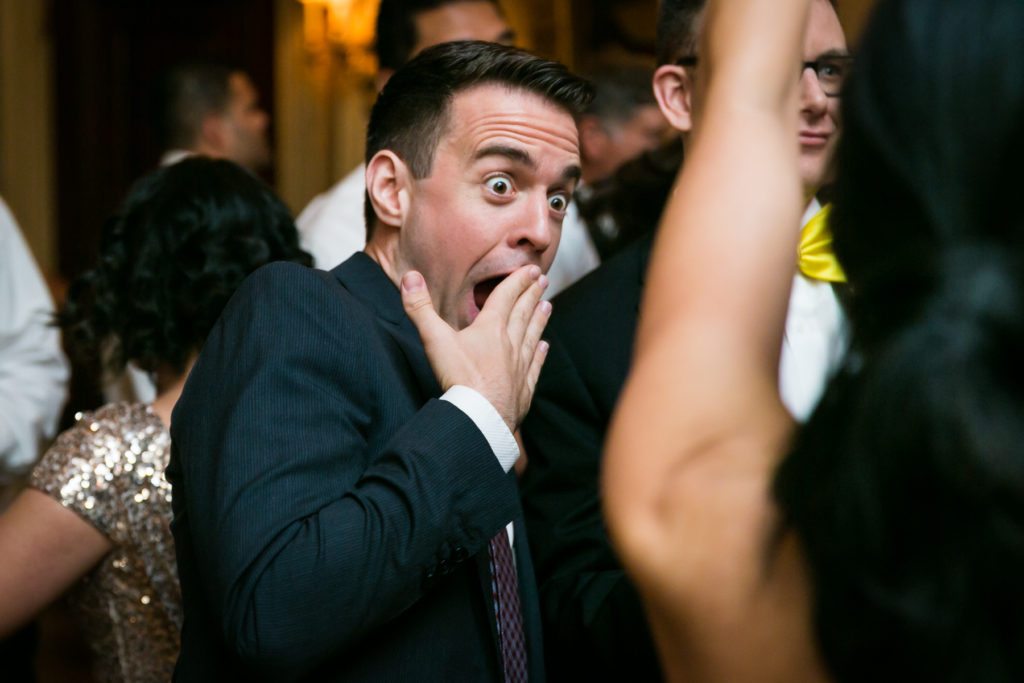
[365, 279]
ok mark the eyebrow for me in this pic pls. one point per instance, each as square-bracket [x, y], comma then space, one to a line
[571, 172]
[834, 52]
[513, 153]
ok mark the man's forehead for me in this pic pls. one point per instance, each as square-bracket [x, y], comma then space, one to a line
[464, 20]
[824, 32]
[485, 114]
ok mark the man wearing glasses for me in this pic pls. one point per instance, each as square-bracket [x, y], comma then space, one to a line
[593, 623]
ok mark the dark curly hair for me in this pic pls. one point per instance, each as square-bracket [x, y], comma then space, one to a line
[170, 258]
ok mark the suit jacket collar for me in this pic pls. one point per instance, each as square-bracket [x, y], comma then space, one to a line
[366, 281]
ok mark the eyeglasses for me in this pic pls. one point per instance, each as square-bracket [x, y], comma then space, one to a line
[831, 71]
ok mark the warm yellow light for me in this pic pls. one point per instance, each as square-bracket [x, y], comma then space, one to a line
[346, 27]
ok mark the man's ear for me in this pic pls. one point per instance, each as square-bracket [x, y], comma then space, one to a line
[593, 138]
[673, 88]
[387, 184]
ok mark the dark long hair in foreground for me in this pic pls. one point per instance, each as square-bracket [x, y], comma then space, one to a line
[907, 486]
[181, 244]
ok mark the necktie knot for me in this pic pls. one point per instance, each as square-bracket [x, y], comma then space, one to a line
[815, 257]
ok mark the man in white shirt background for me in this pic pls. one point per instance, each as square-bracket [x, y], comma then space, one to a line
[33, 384]
[33, 370]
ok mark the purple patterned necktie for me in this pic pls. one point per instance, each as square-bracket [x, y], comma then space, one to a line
[505, 588]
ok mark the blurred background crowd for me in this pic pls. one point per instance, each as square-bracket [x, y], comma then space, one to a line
[96, 93]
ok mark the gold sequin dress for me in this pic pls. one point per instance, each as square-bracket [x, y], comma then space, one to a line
[109, 468]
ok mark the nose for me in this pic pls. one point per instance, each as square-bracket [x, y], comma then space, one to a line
[813, 100]
[536, 229]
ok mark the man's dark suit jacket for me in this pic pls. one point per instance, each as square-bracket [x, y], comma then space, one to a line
[331, 515]
[594, 626]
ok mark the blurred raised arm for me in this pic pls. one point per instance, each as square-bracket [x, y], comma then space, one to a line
[700, 425]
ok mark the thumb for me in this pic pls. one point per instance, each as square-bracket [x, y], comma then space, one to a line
[420, 309]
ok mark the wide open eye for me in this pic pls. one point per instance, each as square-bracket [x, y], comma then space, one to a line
[558, 202]
[499, 185]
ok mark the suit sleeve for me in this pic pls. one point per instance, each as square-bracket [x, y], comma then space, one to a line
[594, 624]
[307, 533]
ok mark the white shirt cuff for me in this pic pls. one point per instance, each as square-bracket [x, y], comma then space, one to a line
[488, 421]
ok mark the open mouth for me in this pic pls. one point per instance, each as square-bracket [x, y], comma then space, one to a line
[483, 290]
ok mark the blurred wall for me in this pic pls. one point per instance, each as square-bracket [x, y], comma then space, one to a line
[27, 131]
[853, 14]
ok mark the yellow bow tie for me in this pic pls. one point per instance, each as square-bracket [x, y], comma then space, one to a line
[816, 259]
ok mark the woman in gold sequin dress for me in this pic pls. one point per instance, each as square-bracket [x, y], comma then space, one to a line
[97, 516]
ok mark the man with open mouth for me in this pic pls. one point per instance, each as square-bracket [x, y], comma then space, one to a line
[344, 508]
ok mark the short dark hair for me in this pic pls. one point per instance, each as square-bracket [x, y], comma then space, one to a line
[411, 113]
[619, 90]
[678, 29]
[182, 242]
[396, 28]
[190, 92]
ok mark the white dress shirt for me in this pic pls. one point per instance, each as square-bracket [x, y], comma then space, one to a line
[814, 341]
[33, 370]
[332, 228]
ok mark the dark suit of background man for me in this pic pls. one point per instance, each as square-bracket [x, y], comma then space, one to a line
[343, 512]
[594, 626]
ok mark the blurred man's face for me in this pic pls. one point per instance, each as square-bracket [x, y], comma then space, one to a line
[819, 113]
[245, 126]
[499, 185]
[608, 145]
[469, 20]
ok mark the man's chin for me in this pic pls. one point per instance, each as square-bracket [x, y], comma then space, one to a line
[814, 168]
[812, 176]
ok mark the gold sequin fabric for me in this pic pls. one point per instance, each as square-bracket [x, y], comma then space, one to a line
[109, 468]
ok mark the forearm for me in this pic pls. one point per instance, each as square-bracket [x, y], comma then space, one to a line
[46, 548]
[705, 375]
